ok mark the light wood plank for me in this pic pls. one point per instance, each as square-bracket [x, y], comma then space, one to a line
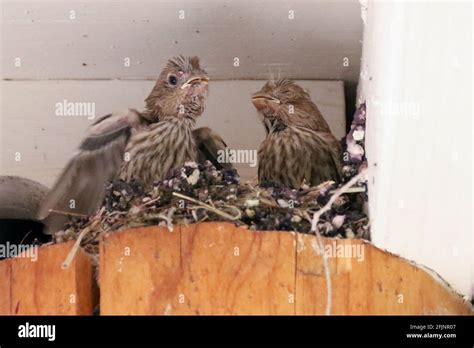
[236, 271]
[139, 271]
[197, 270]
[5, 290]
[215, 268]
[370, 282]
[42, 287]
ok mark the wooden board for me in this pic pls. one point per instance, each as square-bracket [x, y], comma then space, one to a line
[139, 271]
[5, 289]
[41, 287]
[228, 271]
[94, 42]
[381, 283]
[200, 269]
[215, 268]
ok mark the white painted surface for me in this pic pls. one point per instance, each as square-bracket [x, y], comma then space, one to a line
[418, 56]
[102, 34]
[46, 141]
[83, 57]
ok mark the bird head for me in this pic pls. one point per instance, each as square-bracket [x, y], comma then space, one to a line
[181, 89]
[287, 103]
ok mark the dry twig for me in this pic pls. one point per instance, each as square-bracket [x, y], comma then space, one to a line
[208, 207]
[315, 230]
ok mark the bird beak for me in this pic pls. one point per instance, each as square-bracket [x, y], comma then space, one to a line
[195, 80]
[262, 100]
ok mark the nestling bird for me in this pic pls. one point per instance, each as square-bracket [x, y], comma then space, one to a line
[144, 146]
[299, 146]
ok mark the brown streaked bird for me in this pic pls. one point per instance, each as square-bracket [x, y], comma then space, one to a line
[144, 146]
[299, 146]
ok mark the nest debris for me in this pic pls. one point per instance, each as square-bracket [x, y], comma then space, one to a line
[196, 193]
[199, 192]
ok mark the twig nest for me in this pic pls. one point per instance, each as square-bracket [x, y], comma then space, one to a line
[296, 218]
[356, 151]
[349, 233]
[200, 192]
[354, 144]
[250, 213]
[194, 177]
[283, 203]
[358, 133]
[250, 203]
[338, 221]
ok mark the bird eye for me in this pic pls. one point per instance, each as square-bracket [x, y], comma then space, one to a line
[173, 80]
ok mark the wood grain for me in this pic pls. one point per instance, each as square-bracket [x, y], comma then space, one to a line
[5, 290]
[377, 283]
[199, 269]
[235, 271]
[216, 268]
[42, 287]
[139, 270]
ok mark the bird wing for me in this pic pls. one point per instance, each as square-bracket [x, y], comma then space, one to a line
[210, 145]
[80, 188]
[327, 163]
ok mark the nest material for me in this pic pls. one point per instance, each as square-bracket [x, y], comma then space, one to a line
[196, 193]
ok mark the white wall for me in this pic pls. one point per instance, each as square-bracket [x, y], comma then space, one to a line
[416, 78]
[82, 59]
[103, 33]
